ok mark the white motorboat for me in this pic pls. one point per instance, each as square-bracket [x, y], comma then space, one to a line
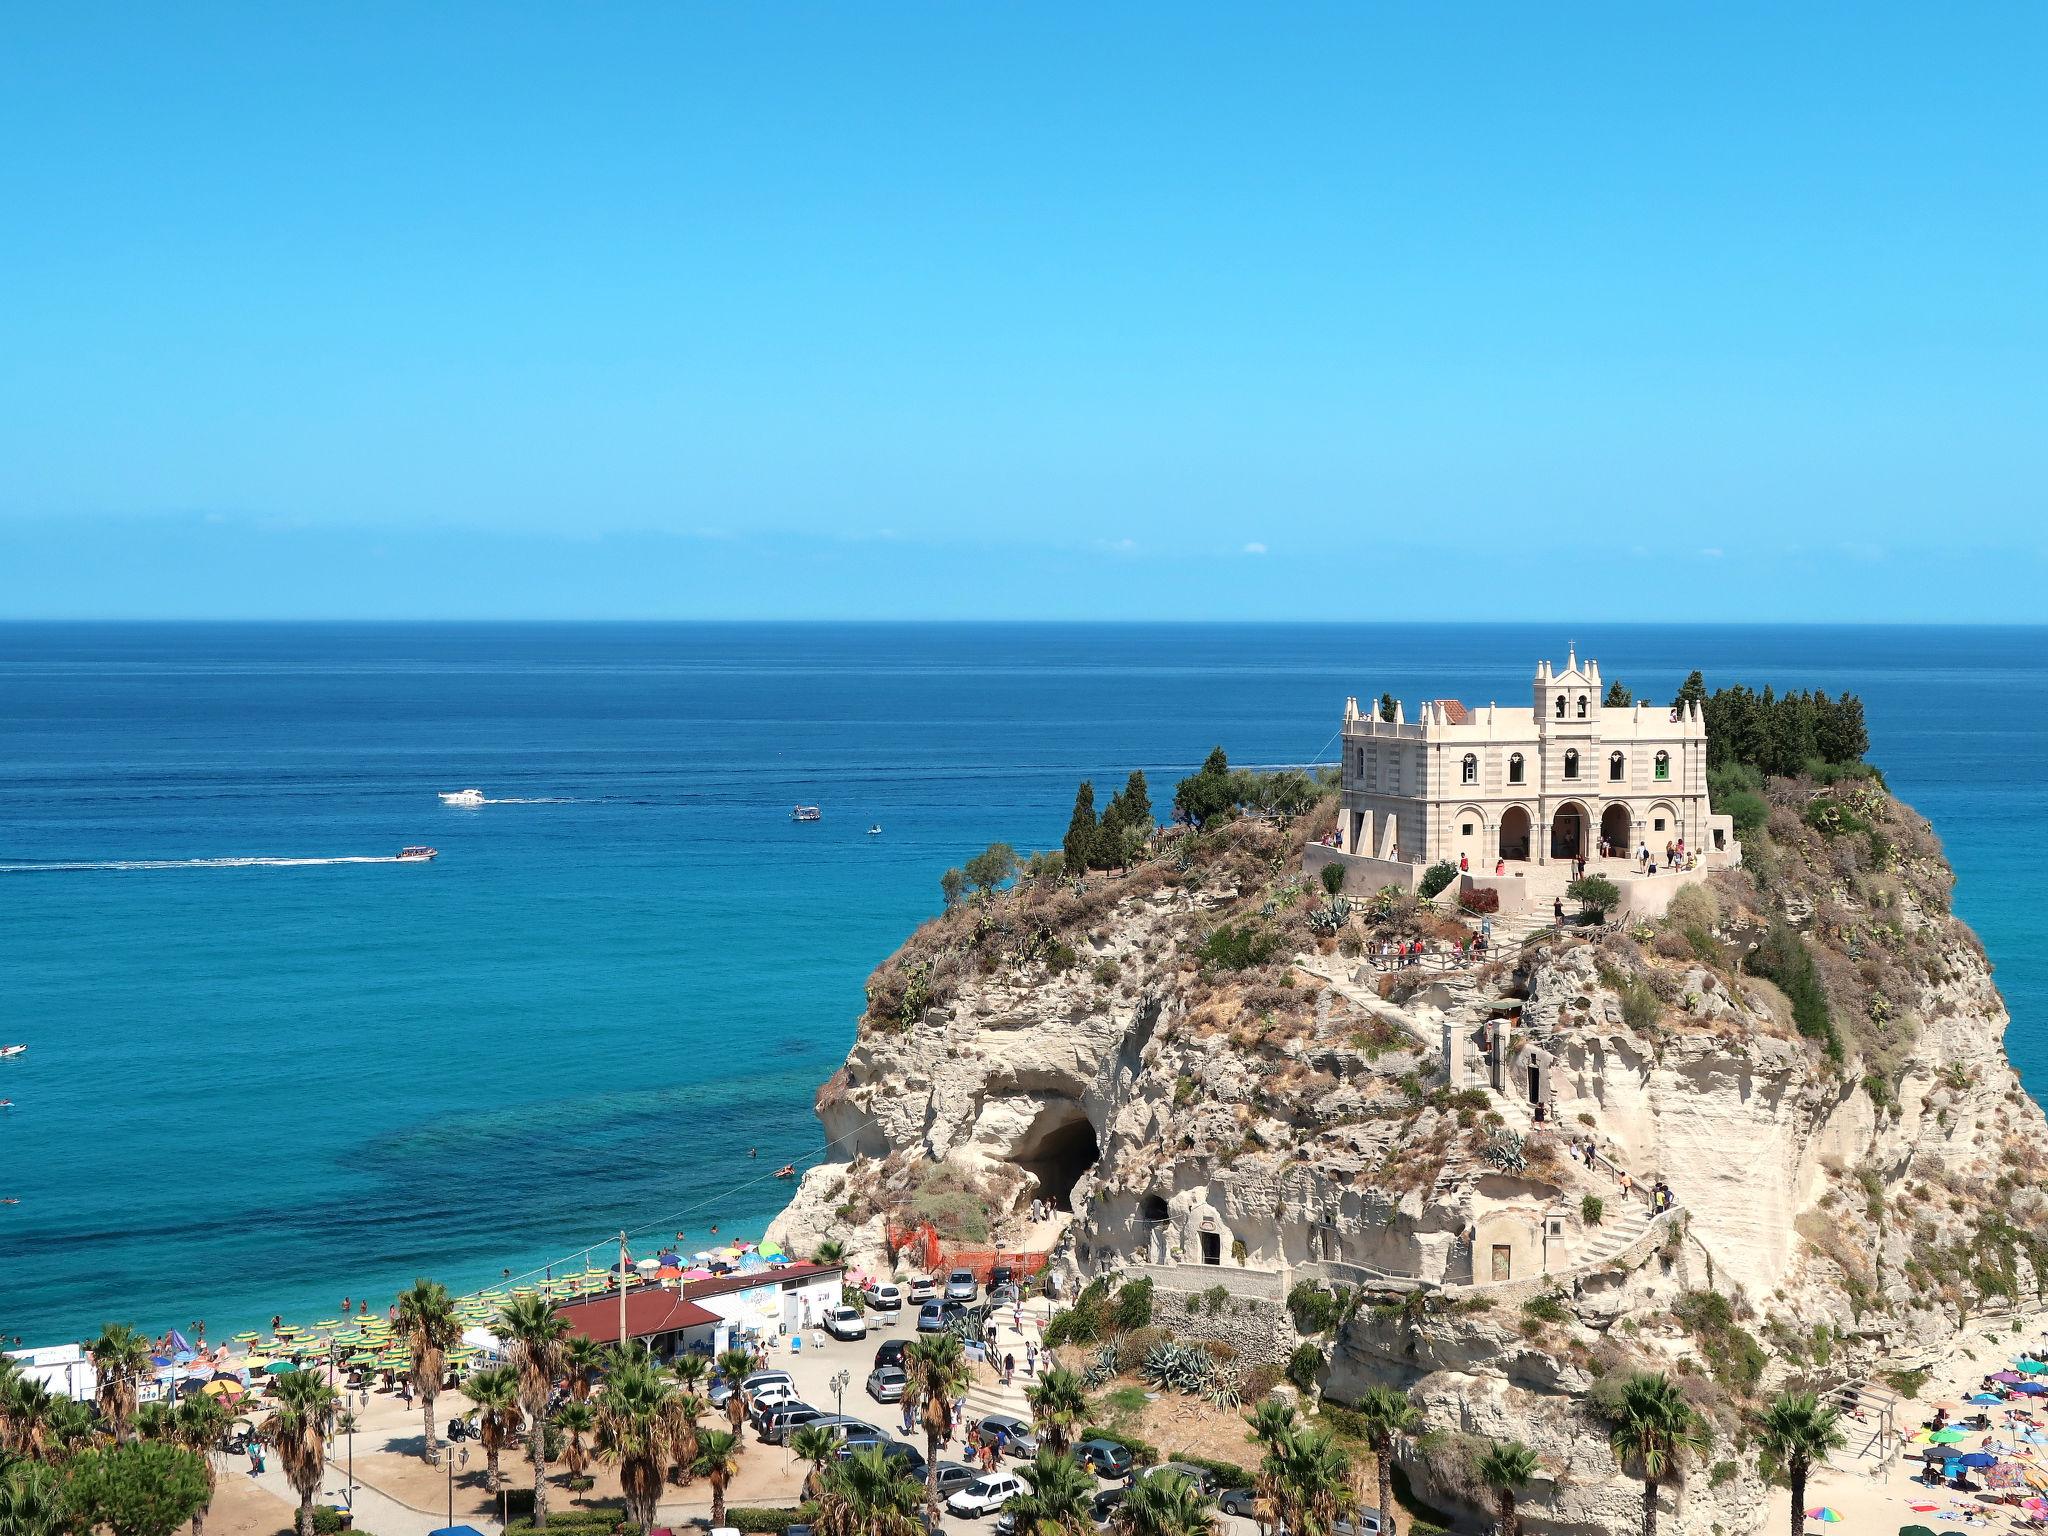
[12, 1050]
[416, 854]
[806, 813]
[875, 830]
[463, 797]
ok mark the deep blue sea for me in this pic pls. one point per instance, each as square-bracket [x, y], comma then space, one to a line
[256, 1088]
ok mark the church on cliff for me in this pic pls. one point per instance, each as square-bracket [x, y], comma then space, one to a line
[1567, 777]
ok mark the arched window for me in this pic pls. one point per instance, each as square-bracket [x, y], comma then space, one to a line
[1663, 765]
[1582, 706]
[1468, 771]
[1560, 706]
[1617, 767]
[1515, 769]
[1361, 762]
[1571, 765]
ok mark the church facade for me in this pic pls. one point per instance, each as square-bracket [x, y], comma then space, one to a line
[1548, 783]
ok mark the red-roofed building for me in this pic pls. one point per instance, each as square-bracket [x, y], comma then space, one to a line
[712, 1314]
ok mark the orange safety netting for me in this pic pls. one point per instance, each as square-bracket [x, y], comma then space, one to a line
[919, 1246]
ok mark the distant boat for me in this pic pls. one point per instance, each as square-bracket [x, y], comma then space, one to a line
[417, 854]
[12, 1050]
[806, 813]
[463, 797]
[875, 830]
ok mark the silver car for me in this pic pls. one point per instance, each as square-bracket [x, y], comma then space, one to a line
[962, 1286]
[886, 1383]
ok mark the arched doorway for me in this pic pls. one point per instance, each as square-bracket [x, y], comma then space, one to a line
[1568, 831]
[1615, 829]
[1514, 833]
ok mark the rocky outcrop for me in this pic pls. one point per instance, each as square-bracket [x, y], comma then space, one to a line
[1192, 1059]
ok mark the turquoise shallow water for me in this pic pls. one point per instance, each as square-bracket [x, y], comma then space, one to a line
[257, 1088]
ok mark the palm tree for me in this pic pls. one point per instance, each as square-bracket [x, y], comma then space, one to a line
[868, 1494]
[536, 1331]
[635, 1434]
[1655, 1430]
[1272, 1421]
[1164, 1504]
[1799, 1432]
[495, 1391]
[735, 1365]
[818, 1447]
[32, 1501]
[1387, 1414]
[1311, 1480]
[120, 1358]
[198, 1423]
[829, 1252]
[937, 1376]
[1059, 1407]
[582, 1358]
[427, 1322]
[1507, 1469]
[298, 1426]
[1062, 1497]
[31, 1415]
[717, 1460]
[684, 1410]
[689, 1371]
[575, 1420]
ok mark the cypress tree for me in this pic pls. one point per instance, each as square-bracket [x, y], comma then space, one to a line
[1082, 831]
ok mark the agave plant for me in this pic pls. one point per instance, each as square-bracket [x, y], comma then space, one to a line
[1504, 1151]
[1100, 1369]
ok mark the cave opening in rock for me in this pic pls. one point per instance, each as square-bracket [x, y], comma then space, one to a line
[1057, 1156]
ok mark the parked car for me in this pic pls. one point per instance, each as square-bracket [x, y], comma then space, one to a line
[931, 1317]
[883, 1299]
[886, 1383]
[722, 1390]
[962, 1286]
[892, 1450]
[986, 1494]
[1003, 1296]
[846, 1323]
[1239, 1501]
[1104, 1508]
[844, 1426]
[891, 1352]
[1203, 1479]
[1365, 1523]
[1010, 1435]
[1105, 1458]
[922, 1290]
[1001, 1274]
[778, 1424]
[955, 1475]
[777, 1394]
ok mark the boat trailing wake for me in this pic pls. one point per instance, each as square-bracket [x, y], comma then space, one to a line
[72, 866]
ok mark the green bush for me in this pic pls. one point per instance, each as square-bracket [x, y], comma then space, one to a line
[1436, 877]
[1546, 1308]
[1591, 1209]
[1314, 1308]
[1784, 960]
[754, 1519]
[1228, 1473]
[1133, 1307]
[1234, 947]
[1595, 893]
[1304, 1365]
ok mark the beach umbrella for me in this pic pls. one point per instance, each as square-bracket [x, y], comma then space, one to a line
[1986, 1400]
[280, 1368]
[1978, 1459]
[1915, 1530]
[697, 1272]
[1948, 1436]
[2031, 1367]
[2009, 1378]
[230, 1390]
[1826, 1515]
[2031, 1388]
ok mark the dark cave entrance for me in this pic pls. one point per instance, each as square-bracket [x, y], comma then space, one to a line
[1058, 1154]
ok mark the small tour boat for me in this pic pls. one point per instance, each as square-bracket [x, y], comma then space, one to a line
[806, 813]
[463, 797]
[417, 854]
[12, 1050]
[875, 830]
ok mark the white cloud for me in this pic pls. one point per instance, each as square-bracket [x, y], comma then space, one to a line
[1255, 548]
[1711, 553]
[1119, 546]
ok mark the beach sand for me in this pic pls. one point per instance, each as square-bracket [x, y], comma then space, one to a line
[1874, 1496]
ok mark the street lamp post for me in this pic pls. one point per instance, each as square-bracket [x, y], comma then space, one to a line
[839, 1382]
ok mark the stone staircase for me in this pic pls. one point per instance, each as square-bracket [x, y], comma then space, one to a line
[1624, 1220]
[987, 1394]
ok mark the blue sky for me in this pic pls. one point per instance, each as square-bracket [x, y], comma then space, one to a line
[1690, 312]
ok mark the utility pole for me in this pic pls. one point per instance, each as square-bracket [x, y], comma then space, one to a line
[622, 1291]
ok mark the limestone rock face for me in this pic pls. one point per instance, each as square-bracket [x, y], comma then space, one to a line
[1304, 1117]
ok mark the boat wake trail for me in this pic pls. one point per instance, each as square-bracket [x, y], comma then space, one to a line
[73, 866]
[531, 800]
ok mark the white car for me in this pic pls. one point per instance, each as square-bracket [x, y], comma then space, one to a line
[922, 1290]
[882, 1299]
[987, 1494]
[846, 1323]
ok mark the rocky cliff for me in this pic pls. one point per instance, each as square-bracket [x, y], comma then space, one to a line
[1203, 1061]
